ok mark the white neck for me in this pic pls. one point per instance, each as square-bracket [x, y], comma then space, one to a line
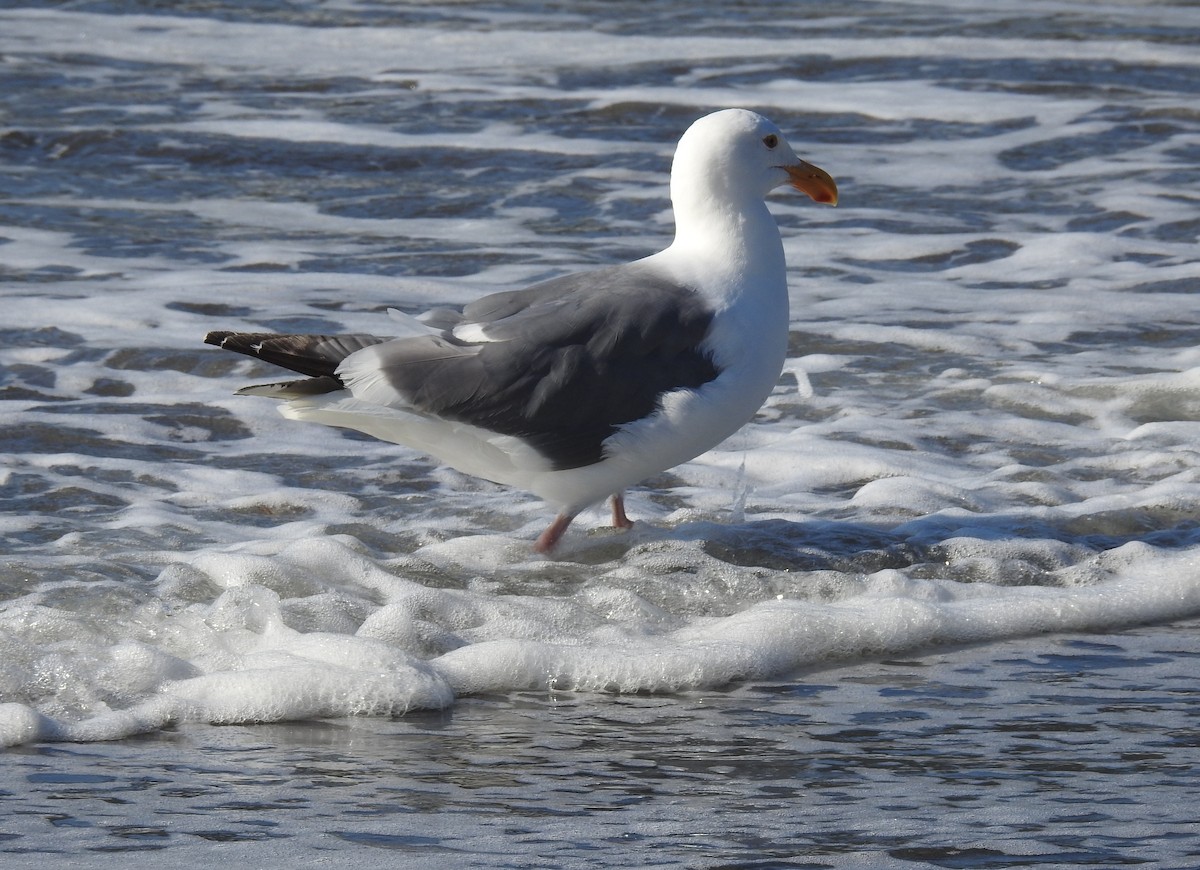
[727, 251]
[734, 257]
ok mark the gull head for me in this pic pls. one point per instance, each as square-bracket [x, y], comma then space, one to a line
[736, 156]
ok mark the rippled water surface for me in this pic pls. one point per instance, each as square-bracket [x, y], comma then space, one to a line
[1064, 752]
[936, 605]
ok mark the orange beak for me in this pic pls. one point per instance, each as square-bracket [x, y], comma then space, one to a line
[814, 181]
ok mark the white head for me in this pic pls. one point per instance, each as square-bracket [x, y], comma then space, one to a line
[734, 158]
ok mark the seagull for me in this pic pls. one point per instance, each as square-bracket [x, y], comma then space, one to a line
[581, 386]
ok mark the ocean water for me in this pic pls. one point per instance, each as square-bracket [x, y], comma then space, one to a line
[936, 605]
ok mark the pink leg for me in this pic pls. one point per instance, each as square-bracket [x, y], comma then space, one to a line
[619, 520]
[548, 540]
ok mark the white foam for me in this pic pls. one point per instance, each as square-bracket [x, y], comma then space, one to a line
[895, 614]
[238, 660]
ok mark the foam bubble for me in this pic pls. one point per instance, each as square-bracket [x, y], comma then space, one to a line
[20, 723]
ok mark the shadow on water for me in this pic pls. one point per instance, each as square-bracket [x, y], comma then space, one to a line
[1008, 548]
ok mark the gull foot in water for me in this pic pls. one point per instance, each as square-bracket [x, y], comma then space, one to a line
[549, 539]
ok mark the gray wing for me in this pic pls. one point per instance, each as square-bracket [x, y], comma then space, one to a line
[561, 364]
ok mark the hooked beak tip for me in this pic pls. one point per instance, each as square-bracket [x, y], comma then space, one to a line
[814, 181]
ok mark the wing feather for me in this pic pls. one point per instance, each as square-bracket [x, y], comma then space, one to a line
[564, 363]
[561, 365]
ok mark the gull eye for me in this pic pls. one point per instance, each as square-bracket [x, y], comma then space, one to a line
[771, 140]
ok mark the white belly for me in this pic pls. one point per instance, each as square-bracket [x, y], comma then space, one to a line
[690, 422]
